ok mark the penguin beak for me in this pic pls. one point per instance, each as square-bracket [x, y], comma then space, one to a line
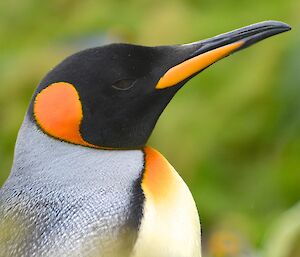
[206, 52]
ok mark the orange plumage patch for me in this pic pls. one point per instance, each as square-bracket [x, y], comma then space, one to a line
[158, 180]
[58, 112]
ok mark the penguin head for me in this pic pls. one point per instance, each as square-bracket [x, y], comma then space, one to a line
[112, 96]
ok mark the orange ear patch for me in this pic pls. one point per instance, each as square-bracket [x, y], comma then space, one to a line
[58, 111]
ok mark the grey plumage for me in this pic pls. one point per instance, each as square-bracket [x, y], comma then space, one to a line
[68, 200]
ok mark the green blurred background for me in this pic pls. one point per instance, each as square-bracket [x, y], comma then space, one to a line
[233, 132]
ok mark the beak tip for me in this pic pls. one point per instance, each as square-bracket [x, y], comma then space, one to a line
[278, 24]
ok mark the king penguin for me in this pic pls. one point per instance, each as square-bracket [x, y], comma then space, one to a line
[83, 181]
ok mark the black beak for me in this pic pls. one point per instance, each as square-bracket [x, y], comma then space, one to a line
[205, 52]
[249, 35]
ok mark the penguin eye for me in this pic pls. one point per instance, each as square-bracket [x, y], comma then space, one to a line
[124, 84]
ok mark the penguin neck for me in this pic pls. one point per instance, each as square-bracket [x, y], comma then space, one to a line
[36, 152]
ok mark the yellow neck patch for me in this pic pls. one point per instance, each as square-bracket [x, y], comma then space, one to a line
[158, 181]
[170, 225]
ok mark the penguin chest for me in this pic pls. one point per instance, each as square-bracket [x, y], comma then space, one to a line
[170, 226]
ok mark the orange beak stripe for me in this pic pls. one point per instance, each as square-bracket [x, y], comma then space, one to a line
[191, 66]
